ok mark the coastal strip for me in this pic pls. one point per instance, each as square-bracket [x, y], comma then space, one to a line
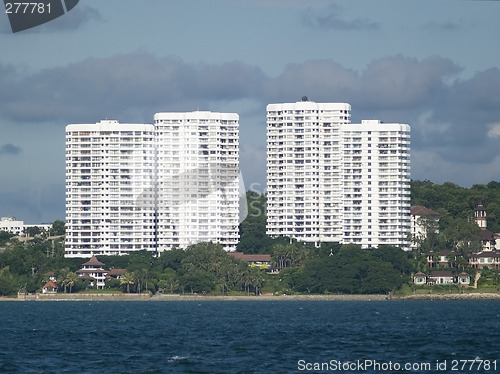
[194, 297]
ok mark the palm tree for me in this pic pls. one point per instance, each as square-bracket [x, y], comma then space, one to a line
[70, 280]
[128, 279]
[61, 275]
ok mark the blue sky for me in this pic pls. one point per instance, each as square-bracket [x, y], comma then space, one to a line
[433, 64]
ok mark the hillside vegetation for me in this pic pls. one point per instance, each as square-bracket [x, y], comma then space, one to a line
[206, 268]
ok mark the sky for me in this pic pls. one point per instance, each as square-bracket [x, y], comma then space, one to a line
[433, 64]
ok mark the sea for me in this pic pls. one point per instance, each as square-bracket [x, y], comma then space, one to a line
[209, 336]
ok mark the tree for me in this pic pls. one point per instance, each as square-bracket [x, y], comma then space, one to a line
[253, 237]
[70, 280]
[58, 228]
[128, 279]
[7, 282]
[291, 254]
[32, 231]
[198, 281]
[169, 280]
[5, 236]
[428, 239]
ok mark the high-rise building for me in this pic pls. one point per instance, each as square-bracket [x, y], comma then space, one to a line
[376, 184]
[109, 165]
[329, 180]
[133, 187]
[304, 180]
[198, 178]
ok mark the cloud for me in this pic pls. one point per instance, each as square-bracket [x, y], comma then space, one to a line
[447, 26]
[9, 149]
[469, 108]
[122, 84]
[494, 131]
[457, 120]
[333, 19]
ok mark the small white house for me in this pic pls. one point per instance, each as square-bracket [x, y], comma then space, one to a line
[420, 279]
[441, 277]
[463, 279]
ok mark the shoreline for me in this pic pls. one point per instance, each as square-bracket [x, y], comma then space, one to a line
[188, 297]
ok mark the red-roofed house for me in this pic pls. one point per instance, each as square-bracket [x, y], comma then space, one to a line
[49, 287]
[116, 273]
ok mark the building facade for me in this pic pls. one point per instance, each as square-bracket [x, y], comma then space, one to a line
[422, 220]
[376, 184]
[12, 225]
[304, 180]
[329, 180]
[109, 165]
[133, 187]
[17, 227]
[197, 178]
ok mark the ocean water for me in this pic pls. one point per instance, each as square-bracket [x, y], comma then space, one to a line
[250, 337]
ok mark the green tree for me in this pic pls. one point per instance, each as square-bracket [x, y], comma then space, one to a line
[58, 228]
[5, 236]
[169, 280]
[253, 237]
[8, 284]
[128, 279]
[32, 231]
[70, 279]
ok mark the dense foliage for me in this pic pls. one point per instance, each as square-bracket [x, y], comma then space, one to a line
[455, 203]
[348, 269]
[26, 263]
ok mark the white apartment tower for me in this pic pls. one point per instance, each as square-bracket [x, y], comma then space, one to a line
[304, 179]
[376, 184]
[109, 166]
[198, 178]
[332, 181]
[133, 187]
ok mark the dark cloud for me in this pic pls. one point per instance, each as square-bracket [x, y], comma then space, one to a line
[320, 80]
[467, 111]
[34, 203]
[450, 117]
[401, 82]
[9, 149]
[125, 83]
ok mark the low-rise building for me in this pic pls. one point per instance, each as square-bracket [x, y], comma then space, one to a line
[443, 258]
[18, 227]
[49, 287]
[93, 271]
[260, 260]
[463, 279]
[485, 260]
[441, 277]
[420, 279]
